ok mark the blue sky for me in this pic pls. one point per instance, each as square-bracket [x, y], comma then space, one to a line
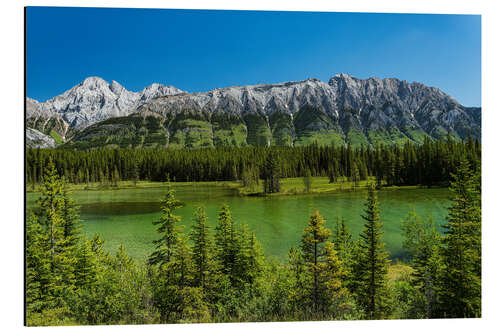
[201, 50]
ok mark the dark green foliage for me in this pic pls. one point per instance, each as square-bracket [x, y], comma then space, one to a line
[272, 173]
[460, 292]
[371, 263]
[344, 245]
[422, 242]
[428, 164]
[202, 249]
[168, 229]
[308, 181]
[225, 277]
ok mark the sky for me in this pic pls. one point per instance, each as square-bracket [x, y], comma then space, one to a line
[199, 50]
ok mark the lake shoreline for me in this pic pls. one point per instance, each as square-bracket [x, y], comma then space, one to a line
[290, 187]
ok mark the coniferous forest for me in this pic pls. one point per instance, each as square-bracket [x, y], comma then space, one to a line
[221, 274]
[431, 163]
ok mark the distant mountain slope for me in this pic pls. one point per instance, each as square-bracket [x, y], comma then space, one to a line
[94, 100]
[36, 139]
[344, 110]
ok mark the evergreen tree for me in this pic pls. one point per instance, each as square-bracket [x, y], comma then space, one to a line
[86, 265]
[202, 248]
[422, 242]
[460, 293]
[332, 275]
[226, 245]
[70, 216]
[296, 266]
[308, 181]
[249, 259]
[60, 250]
[272, 173]
[38, 270]
[344, 245]
[168, 229]
[314, 255]
[371, 262]
[182, 263]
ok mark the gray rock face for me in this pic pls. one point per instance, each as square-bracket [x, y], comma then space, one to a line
[348, 103]
[36, 139]
[95, 100]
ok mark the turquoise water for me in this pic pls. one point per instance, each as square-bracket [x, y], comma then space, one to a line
[125, 216]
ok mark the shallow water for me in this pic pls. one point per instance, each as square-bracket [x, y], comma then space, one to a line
[125, 216]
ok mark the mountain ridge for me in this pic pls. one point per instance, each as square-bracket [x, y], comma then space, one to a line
[345, 110]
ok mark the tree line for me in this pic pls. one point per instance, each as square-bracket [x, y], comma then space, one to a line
[431, 163]
[222, 275]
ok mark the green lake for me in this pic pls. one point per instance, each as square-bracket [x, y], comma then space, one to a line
[125, 216]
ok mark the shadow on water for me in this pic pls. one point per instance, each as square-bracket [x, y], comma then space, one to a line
[120, 208]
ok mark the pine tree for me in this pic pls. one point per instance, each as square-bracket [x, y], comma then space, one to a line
[314, 255]
[135, 172]
[226, 245]
[168, 229]
[249, 259]
[371, 261]
[332, 276]
[202, 248]
[344, 245]
[422, 242]
[60, 248]
[182, 263]
[38, 274]
[460, 293]
[86, 266]
[272, 173]
[70, 216]
[308, 181]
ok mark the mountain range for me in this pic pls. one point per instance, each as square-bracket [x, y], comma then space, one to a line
[343, 110]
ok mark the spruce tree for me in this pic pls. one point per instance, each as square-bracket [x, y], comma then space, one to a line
[272, 173]
[314, 254]
[371, 262]
[344, 245]
[70, 216]
[226, 245]
[60, 248]
[460, 293]
[86, 266]
[308, 181]
[249, 259]
[422, 242]
[38, 273]
[202, 248]
[168, 229]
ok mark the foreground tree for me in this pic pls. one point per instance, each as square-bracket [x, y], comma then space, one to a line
[168, 229]
[371, 263]
[322, 284]
[202, 248]
[422, 242]
[460, 293]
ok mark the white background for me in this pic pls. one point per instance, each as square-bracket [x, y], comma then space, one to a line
[11, 163]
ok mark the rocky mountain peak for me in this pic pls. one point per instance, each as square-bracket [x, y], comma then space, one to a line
[94, 99]
[94, 82]
[344, 104]
[116, 87]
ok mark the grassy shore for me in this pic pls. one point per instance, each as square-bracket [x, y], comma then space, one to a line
[289, 186]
